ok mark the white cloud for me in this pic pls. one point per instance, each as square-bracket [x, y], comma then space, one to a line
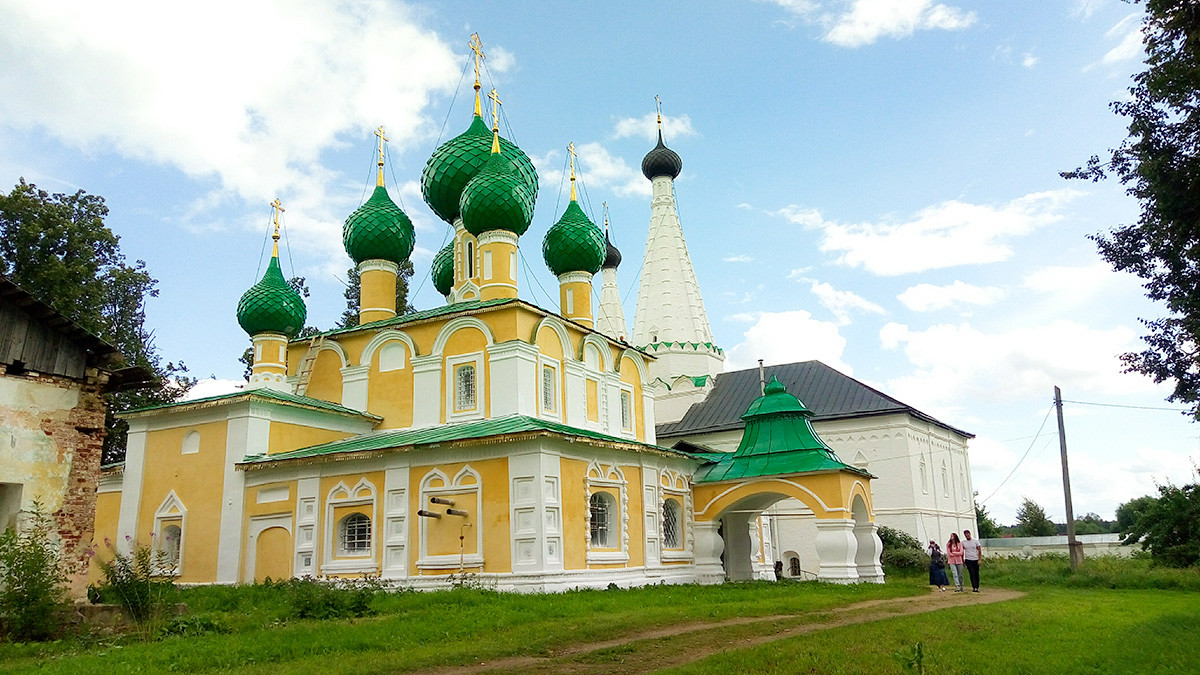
[787, 337]
[1129, 32]
[249, 95]
[213, 387]
[929, 298]
[842, 303]
[1029, 60]
[743, 258]
[1073, 285]
[646, 127]
[962, 366]
[856, 23]
[596, 168]
[744, 317]
[801, 216]
[949, 234]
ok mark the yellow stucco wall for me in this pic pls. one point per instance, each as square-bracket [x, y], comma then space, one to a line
[390, 393]
[573, 473]
[325, 382]
[631, 376]
[108, 511]
[466, 340]
[285, 437]
[195, 479]
[443, 533]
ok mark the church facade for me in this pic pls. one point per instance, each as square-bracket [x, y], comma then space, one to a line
[487, 437]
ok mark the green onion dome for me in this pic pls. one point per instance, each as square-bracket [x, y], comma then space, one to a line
[271, 305]
[574, 243]
[378, 230]
[457, 161]
[442, 269]
[496, 199]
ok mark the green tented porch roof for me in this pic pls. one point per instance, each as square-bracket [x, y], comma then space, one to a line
[498, 429]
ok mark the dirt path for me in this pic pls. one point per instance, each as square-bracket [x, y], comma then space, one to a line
[721, 636]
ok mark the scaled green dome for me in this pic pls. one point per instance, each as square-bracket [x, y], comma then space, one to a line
[457, 161]
[574, 243]
[496, 199]
[378, 230]
[442, 269]
[271, 305]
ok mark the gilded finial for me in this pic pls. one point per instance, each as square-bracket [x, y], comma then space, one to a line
[496, 103]
[605, 204]
[571, 152]
[476, 46]
[658, 107]
[276, 209]
[382, 137]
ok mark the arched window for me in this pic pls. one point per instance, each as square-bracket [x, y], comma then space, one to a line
[671, 524]
[924, 477]
[464, 387]
[601, 508]
[470, 260]
[354, 535]
[172, 538]
[794, 566]
[945, 481]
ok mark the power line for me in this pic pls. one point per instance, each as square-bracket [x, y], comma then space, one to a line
[1118, 405]
[1027, 450]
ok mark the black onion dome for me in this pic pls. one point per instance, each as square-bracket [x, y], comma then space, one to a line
[612, 259]
[661, 161]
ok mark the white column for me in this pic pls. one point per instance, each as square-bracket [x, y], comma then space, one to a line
[870, 547]
[708, 548]
[394, 532]
[514, 383]
[576, 408]
[427, 378]
[248, 435]
[131, 487]
[836, 551]
[354, 387]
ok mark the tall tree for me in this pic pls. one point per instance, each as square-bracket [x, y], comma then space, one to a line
[1159, 163]
[983, 520]
[1168, 525]
[353, 294]
[57, 247]
[1032, 520]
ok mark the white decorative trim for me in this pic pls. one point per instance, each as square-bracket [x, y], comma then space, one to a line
[343, 564]
[642, 368]
[382, 338]
[461, 493]
[575, 278]
[355, 387]
[481, 391]
[378, 265]
[171, 508]
[496, 237]
[256, 526]
[608, 476]
[555, 413]
[439, 344]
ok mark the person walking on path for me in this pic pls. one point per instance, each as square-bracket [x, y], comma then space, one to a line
[954, 555]
[937, 566]
[972, 554]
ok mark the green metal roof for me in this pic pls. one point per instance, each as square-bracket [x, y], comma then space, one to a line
[407, 439]
[574, 243]
[778, 439]
[496, 199]
[457, 161]
[442, 269]
[378, 230]
[261, 395]
[271, 305]
[465, 307]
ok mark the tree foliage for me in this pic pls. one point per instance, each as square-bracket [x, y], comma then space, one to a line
[1032, 520]
[1168, 526]
[1159, 164]
[988, 529]
[57, 248]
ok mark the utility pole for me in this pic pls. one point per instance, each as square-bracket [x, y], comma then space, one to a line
[1073, 545]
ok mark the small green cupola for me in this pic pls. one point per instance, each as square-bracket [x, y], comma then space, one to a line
[272, 305]
[379, 230]
[574, 243]
[459, 159]
[778, 439]
[442, 269]
[497, 198]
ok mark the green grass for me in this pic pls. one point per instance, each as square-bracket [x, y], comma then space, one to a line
[1112, 616]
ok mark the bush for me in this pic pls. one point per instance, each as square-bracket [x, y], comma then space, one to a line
[140, 582]
[33, 599]
[339, 599]
[190, 626]
[901, 550]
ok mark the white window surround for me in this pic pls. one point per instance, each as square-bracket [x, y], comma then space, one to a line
[554, 410]
[462, 493]
[675, 486]
[627, 410]
[453, 412]
[171, 512]
[672, 524]
[602, 510]
[611, 477]
[339, 563]
[191, 443]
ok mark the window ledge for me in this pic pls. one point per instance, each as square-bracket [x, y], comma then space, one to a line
[668, 555]
[350, 566]
[605, 557]
[449, 562]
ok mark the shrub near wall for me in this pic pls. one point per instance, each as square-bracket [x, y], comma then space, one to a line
[901, 550]
[33, 599]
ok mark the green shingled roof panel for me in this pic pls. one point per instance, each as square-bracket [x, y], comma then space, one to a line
[378, 230]
[496, 199]
[445, 433]
[457, 161]
[574, 243]
[271, 305]
[442, 269]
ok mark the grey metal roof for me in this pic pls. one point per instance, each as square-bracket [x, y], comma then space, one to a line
[828, 393]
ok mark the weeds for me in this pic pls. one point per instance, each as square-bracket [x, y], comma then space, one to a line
[140, 582]
[33, 599]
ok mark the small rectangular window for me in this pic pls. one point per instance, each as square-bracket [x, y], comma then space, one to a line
[549, 390]
[626, 411]
[464, 387]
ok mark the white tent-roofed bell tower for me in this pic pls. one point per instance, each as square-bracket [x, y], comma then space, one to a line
[670, 322]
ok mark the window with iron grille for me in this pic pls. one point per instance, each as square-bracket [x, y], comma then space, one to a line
[794, 565]
[626, 411]
[548, 389]
[354, 535]
[671, 524]
[599, 505]
[464, 387]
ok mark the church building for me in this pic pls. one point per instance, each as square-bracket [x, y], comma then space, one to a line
[530, 448]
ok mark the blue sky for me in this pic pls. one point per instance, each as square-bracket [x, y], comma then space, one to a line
[871, 183]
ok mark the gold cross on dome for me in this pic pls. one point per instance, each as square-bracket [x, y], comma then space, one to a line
[276, 209]
[605, 204]
[496, 103]
[476, 46]
[382, 137]
[573, 155]
[658, 107]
